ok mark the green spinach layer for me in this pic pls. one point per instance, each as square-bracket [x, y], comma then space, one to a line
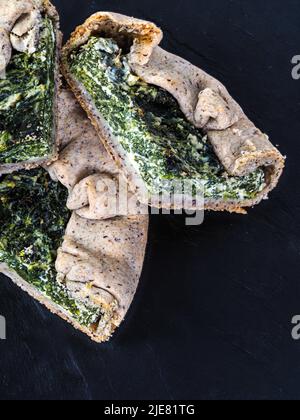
[26, 102]
[150, 126]
[34, 216]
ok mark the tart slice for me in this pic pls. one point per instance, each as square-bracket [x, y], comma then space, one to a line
[84, 270]
[29, 47]
[165, 121]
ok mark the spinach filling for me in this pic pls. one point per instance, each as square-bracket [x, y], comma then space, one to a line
[34, 216]
[26, 102]
[150, 126]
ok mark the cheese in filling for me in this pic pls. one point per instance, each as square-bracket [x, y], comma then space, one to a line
[34, 216]
[26, 102]
[151, 128]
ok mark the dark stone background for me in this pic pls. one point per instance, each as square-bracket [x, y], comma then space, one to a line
[212, 316]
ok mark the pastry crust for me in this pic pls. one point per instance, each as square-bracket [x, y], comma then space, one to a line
[50, 10]
[239, 145]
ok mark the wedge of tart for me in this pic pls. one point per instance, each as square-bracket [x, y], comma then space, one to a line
[165, 121]
[85, 270]
[29, 53]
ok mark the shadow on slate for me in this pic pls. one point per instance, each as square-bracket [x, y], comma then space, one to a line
[212, 316]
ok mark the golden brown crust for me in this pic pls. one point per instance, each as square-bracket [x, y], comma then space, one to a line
[9, 168]
[240, 146]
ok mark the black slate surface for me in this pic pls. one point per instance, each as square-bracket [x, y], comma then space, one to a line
[212, 317]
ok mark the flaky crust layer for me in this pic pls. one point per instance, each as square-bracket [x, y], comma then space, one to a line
[239, 145]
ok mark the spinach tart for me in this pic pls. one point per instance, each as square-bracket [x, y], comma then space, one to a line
[164, 120]
[84, 269]
[30, 42]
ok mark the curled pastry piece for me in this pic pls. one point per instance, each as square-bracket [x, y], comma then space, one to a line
[243, 148]
[27, 43]
[26, 22]
[25, 34]
[12, 10]
[213, 112]
[166, 121]
[86, 277]
[102, 195]
[100, 264]
[95, 197]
